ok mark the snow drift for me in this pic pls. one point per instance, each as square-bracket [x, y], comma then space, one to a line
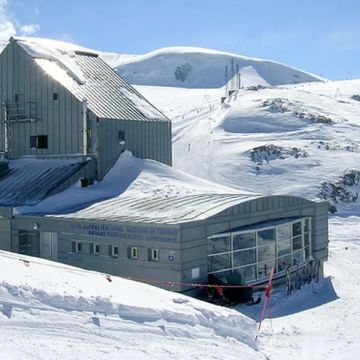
[49, 310]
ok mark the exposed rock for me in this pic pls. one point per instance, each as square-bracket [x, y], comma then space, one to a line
[272, 152]
[340, 191]
[284, 105]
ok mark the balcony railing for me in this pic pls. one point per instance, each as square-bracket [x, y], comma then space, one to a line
[21, 111]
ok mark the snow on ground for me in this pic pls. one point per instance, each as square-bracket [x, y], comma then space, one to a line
[191, 67]
[320, 321]
[54, 311]
[319, 120]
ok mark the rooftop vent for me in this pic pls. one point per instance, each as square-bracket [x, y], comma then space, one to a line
[85, 53]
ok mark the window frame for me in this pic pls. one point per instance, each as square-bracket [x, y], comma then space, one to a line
[306, 229]
[78, 247]
[154, 255]
[134, 256]
[39, 142]
[95, 249]
[113, 247]
[121, 137]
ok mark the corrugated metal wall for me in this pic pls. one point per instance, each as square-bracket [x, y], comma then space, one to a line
[145, 139]
[60, 120]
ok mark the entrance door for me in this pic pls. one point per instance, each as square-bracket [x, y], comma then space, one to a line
[48, 245]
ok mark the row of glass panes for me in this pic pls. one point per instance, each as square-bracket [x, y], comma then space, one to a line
[291, 245]
[255, 238]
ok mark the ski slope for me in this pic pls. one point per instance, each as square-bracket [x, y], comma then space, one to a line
[307, 131]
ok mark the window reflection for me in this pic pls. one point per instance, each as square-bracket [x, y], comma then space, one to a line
[266, 252]
[266, 236]
[244, 257]
[219, 244]
[244, 241]
[251, 255]
[219, 262]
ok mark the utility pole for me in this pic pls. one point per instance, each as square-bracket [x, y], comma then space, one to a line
[226, 82]
[6, 129]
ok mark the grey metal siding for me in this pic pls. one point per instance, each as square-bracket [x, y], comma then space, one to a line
[60, 120]
[145, 139]
[5, 234]
[154, 272]
[320, 231]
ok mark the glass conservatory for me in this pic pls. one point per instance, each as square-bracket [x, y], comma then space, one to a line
[252, 252]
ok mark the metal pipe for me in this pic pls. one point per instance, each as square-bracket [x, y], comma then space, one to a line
[85, 129]
[6, 130]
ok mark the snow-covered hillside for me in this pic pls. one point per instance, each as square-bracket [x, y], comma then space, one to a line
[294, 139]
[53, 311]
[201, 68]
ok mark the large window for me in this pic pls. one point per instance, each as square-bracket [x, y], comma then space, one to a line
[251, 254]
[219, 244]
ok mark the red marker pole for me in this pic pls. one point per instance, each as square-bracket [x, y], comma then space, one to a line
[266, 304]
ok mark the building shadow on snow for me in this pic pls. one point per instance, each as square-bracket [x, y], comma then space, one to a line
[308, 297]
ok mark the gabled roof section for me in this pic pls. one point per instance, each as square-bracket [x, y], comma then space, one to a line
[87, 76]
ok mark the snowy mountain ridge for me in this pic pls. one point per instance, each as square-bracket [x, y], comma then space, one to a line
[188, 67]
[272, 140]
[191, 67]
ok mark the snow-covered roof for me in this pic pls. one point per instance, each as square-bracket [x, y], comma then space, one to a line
[138, 190]
[87, 76]
[162, 209]
[30, 180]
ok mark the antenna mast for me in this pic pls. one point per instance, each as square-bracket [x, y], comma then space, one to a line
[232, 87]
[226, 81]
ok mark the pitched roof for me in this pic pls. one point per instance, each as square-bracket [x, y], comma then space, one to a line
[87, 76]
[31, 180]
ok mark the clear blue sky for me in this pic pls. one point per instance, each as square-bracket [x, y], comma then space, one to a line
[319, 36]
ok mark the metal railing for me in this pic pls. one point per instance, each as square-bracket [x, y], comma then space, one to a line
[21, 111]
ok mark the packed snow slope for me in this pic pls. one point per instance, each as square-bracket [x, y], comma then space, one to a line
[294, 139]
[190, 67]
[54, 311]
